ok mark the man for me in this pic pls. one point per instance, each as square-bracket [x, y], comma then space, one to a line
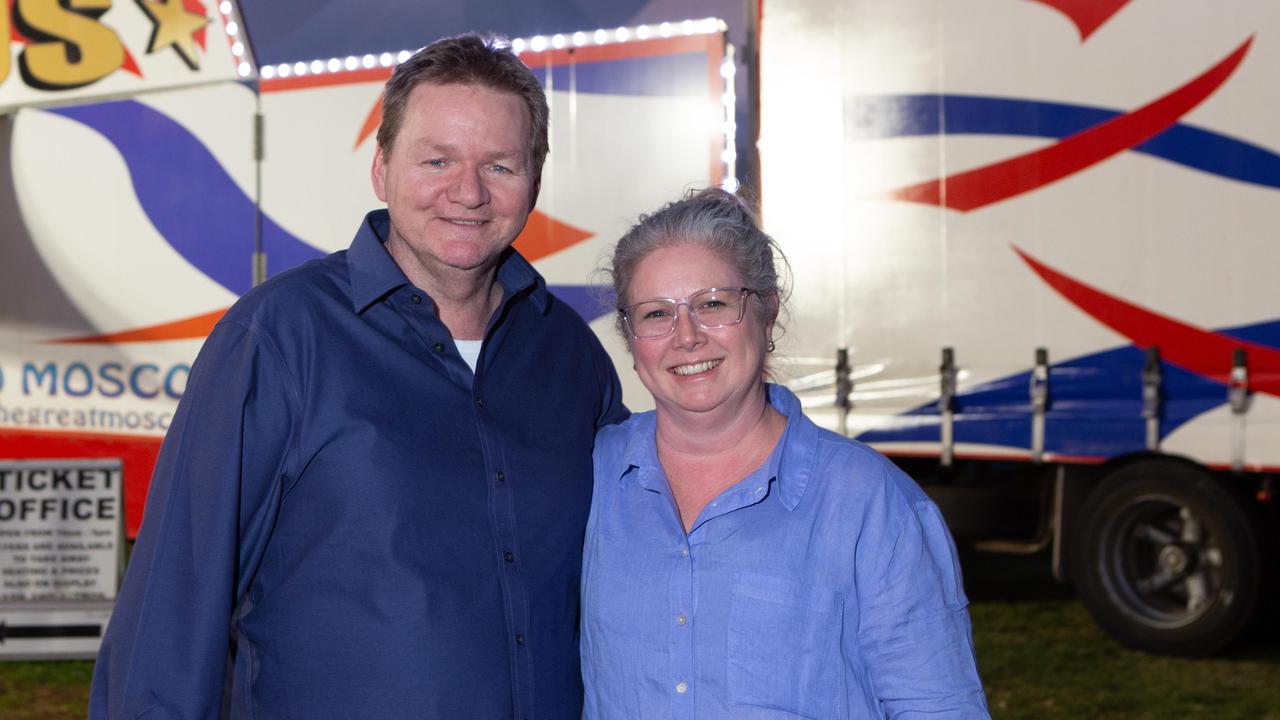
[372, 499]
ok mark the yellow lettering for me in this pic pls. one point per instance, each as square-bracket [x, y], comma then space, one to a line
[5, 34]
[69, 47]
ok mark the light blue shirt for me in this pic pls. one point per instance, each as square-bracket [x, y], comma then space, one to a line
[823, 585]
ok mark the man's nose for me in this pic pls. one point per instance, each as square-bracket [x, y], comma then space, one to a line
[468, 188]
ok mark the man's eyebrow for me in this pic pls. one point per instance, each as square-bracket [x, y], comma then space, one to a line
[450, 149]
[428, 145]
[508, 155]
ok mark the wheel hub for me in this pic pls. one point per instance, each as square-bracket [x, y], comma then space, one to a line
[1175, 560]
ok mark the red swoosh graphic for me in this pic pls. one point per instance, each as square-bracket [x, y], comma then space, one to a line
[1088, 15]
[197, 326]
[1198, 350]
[990, 184]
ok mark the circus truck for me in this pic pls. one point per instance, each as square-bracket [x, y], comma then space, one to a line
[1034, 248]
[153, 173]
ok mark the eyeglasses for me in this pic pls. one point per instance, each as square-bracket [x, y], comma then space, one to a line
[710, 308]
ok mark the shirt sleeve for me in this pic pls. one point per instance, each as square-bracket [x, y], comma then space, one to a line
[210, 508]
[913, 625]
[612, 410]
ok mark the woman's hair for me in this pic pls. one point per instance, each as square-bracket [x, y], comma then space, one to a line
[480, 60]
[714, 219]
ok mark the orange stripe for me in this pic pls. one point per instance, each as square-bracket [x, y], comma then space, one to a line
[299, 82]
[543, 235]
[184, 329]
[371, 122]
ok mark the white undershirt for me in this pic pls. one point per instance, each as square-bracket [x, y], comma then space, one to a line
[469, 350]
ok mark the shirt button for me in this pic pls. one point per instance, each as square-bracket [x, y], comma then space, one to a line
[415, 298]
[684, 552]
[681, 619]
[439, 347]
[520, 639]
[682, 687]
[480, 402]
[501, 477]
[509, 556]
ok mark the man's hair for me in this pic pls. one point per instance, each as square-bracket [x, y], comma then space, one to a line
[471, 59]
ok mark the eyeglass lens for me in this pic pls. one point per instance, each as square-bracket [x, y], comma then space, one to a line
[710, 309]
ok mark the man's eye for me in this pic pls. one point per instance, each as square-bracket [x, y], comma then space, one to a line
[437, 162]
[500, 168]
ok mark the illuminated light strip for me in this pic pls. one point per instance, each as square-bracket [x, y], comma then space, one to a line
[729, 104]
[537, 43]
[370, 67]
[233, 26]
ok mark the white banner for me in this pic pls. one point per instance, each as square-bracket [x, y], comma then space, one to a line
[61, 544]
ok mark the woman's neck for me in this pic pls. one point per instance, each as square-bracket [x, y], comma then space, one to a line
[702, 456]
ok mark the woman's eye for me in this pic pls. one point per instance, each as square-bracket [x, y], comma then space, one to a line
[655, 315]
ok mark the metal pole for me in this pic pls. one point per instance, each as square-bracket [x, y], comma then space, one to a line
[259, 253]
[946, 405]
[1151, 398]
[1039, 403]
[844, 390]
[1238, 397]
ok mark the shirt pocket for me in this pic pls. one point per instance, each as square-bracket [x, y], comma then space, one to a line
[784, 646]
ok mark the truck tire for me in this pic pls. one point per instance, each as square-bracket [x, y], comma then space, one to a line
[1166, 560]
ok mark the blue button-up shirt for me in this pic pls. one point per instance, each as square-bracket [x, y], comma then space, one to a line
[823, 585]
[365, 526]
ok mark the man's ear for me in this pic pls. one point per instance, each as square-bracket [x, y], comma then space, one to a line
[377, 173]
[533, 193]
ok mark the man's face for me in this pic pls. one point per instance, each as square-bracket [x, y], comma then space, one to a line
[458, 179]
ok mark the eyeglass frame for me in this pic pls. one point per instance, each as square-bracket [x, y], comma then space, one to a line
[743, 292]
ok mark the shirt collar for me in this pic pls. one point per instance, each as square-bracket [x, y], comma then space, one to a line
[791, 461]
[374, 274]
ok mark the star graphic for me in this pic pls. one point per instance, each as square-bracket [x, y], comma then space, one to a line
[174, 27]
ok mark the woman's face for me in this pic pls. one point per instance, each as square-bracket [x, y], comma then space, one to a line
[696, 370]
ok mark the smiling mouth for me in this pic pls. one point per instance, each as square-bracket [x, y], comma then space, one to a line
[467, 223]
[696, 368]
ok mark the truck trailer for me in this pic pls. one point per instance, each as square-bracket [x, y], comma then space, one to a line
[1034, 250]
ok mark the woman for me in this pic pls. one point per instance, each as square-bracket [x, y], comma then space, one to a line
[741, 562]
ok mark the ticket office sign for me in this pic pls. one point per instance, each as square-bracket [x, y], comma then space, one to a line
[61, 549]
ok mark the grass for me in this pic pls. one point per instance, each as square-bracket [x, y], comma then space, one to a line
[1039, 653]
[51, 690]
[1041, 656]
[1046, 659]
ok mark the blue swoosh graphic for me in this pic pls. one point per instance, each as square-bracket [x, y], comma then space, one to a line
[1096, 404]
[874, 117]
[188, 195]
[199, 209]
